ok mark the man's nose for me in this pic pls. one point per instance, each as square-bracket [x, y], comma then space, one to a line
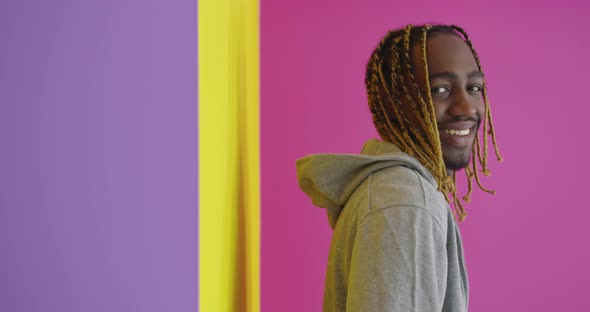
[463, 104]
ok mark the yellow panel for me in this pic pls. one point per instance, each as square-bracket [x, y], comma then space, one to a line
[229, 179]
[249, 79]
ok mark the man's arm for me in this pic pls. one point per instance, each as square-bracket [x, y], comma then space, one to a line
[399, 262]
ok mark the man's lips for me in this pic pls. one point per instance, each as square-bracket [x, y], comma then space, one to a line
[457, 125]
[458, 134]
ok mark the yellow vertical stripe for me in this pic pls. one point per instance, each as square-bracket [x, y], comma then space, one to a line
[250, 82]
[229, 192]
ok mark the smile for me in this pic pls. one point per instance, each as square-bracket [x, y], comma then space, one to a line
[458, 132]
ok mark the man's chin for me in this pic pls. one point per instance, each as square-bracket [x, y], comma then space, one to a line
[456, 164]
[456, 158]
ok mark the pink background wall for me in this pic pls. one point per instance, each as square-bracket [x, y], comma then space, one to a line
[527, 246]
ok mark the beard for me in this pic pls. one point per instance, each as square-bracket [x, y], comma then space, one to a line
[456, 164]
[456, 159]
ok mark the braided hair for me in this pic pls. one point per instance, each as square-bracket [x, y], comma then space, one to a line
[404, 114]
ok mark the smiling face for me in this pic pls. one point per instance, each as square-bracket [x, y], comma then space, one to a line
[435, 120]
[456, 86]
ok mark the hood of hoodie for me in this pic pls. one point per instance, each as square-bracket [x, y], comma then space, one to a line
[330, 179]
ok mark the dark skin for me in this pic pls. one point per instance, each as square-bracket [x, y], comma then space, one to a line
[456, 86]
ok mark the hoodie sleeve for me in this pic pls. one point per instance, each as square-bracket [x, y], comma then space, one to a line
[399, 262]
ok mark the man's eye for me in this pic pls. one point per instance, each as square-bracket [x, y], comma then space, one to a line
[439, 90]
[475, 88]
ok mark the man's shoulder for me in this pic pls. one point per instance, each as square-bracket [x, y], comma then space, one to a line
[401, 186]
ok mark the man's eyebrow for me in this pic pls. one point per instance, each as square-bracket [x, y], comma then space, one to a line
[450, 75]
[475, 73]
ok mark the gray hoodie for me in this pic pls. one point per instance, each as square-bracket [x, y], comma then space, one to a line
[395, 246]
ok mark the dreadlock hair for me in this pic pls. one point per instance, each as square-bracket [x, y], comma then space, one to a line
[403, 112]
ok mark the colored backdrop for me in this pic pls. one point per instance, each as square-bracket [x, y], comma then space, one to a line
[526, 247]
[99, 150]
[229, 149]
[98, 161]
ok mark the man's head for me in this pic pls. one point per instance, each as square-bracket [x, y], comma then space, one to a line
[427, 95]
[456, 86]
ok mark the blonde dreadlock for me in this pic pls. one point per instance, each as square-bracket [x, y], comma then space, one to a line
[394, 95]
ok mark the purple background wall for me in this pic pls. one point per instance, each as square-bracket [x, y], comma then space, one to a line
[98, 162]
[527, 246]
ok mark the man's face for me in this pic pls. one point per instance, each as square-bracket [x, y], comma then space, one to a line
[456, 86]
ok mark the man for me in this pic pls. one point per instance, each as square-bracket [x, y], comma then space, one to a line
[396, 245]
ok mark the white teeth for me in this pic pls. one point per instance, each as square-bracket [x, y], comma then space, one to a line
[457, 132]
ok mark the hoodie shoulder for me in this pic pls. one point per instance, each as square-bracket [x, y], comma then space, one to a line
[393, 188]
[393, 177]
[397, 185]
[402, 186]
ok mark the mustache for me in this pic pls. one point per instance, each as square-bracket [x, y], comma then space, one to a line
[475, 119]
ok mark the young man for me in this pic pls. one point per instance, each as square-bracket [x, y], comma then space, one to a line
[396, 245]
